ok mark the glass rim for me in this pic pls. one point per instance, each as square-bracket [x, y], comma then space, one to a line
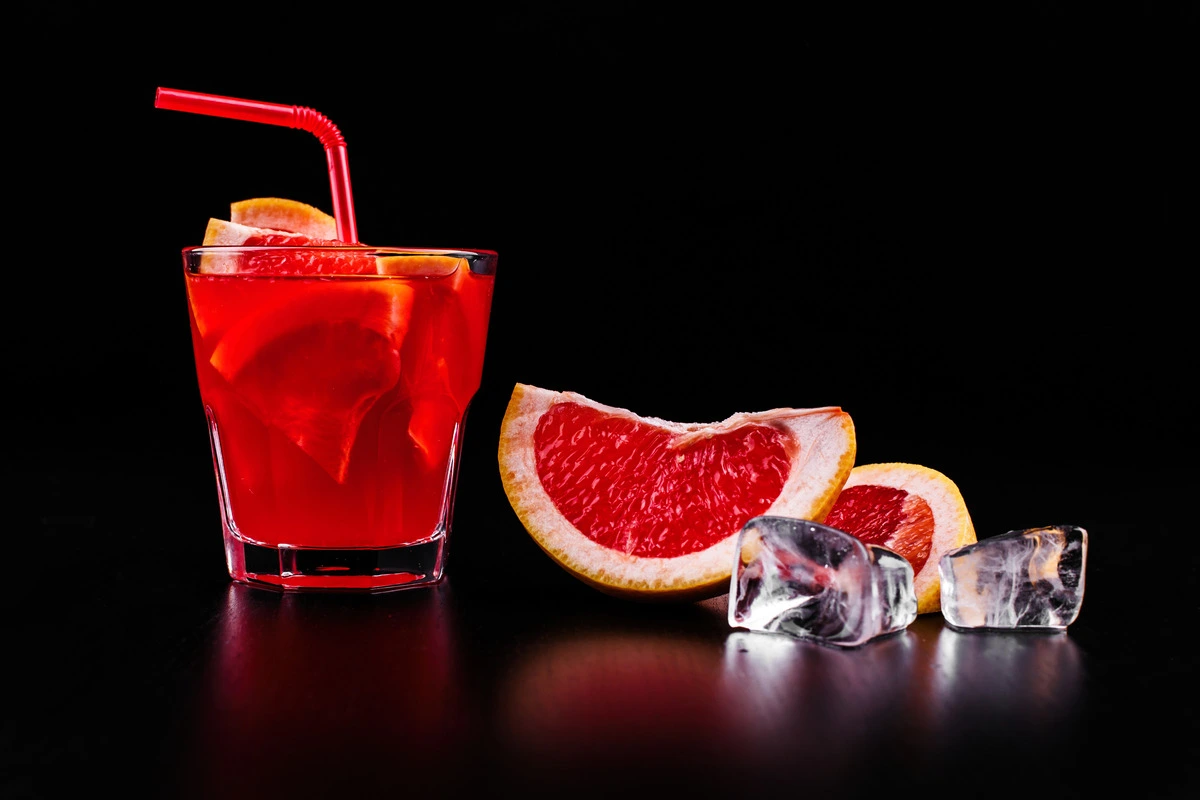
[297, 260]
[232, 249]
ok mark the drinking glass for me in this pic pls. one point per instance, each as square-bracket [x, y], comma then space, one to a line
[336, 382]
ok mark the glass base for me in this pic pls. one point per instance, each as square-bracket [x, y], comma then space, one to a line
[351, 570]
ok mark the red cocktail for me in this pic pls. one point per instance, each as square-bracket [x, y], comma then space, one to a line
[336, 382]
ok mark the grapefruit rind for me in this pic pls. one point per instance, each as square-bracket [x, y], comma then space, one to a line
[952, 526]
[826, 440]
[430, 266]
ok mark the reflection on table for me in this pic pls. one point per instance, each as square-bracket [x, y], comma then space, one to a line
[323, 695]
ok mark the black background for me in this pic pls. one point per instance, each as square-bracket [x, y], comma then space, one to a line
[970, 227]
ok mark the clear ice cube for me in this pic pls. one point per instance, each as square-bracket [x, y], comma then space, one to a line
[1024, 579]
[812, 581]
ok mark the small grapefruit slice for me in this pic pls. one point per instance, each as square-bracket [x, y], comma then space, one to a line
[648, 509]
[420, 265]
[916, 511]
[281, 214]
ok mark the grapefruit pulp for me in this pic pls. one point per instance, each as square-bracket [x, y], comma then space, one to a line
[649, 509]
[913, 510]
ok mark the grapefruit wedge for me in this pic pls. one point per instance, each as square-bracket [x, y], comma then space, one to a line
[281, 214]
[916, 511]
[648, 509]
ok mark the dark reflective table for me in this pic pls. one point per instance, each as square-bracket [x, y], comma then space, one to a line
[512, 678]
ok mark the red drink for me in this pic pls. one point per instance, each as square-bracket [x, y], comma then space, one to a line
[336, 404]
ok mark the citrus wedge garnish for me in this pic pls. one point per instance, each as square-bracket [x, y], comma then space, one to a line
[280, 214]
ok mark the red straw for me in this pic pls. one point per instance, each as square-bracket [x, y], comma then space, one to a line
[289, 117]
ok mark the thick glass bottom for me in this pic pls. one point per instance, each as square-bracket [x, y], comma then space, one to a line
[325, 569]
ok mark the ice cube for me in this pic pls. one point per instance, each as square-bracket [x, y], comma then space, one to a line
[812, 581]
[1024, 579]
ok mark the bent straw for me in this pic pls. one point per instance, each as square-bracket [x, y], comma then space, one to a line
[289, 117]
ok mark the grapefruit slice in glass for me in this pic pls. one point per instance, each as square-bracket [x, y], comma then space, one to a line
[314, 362]
[650, 509]
[916, 511]
[443, 351]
